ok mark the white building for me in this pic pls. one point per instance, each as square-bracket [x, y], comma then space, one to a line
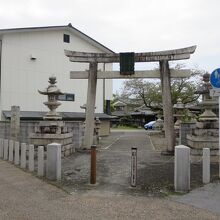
[30, 55]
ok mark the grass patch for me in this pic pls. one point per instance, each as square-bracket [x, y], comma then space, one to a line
[120, 127]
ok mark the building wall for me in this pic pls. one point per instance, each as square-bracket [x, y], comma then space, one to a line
[21, 77]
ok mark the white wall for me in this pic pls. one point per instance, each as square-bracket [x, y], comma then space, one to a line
[22, 77]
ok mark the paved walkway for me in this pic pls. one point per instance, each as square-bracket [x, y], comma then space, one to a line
[207, 197]
[114, 166]
[24, 197]
[155, 171]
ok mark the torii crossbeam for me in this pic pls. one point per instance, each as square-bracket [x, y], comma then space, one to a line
[165, 73]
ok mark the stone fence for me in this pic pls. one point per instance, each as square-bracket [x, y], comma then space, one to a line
[25, 156]
[27, 127]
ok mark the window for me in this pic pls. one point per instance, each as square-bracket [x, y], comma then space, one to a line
[67, 97]
[70, 97]
[66, 38]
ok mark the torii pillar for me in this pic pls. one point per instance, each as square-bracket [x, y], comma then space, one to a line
[90, 105]
[165, 73]
[167, 105]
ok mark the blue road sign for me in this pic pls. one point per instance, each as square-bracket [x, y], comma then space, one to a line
[215, 78]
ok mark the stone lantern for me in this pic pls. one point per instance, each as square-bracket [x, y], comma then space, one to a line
[179, 108]
[52, 103]
[206, 132]
[52, 129]
[208, 103]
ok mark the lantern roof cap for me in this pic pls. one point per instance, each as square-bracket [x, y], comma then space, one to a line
[52, 89]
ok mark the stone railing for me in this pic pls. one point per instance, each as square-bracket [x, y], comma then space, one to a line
[25, 156]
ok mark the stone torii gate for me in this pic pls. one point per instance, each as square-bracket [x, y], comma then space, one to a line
[164, 73]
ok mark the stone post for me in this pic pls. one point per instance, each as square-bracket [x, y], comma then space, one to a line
[15, 123]
[17, 153]
[53, 161]
[182, 169]
[1, 147]
[11, 151]
[206, 165]
[23, 155]
[5, 143]
[40, 163]
[31, 158]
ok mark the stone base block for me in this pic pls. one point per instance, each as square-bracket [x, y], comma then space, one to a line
[196, 142]
[207, 125]
[206, 132]
[65, 140]
[196, 155]
[67, 150]
[198, 152]
[198, 159]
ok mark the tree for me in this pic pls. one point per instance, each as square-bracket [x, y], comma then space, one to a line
[150, 94]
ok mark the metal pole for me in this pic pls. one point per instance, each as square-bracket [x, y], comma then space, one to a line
[93, 165]
[133, 166]
[219, 132]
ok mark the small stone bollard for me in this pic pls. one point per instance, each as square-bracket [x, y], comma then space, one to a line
[1, 147]
[23, 155]
[11, 151]
[182, 169]
[5, 143]
[53, 161]
[31, 158]
[206, 165]
[17, 153]
[40, 163]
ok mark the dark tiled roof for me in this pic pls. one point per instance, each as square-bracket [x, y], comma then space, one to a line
[146, 112]
[119, 113]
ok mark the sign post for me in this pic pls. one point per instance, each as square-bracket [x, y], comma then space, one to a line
[215, 82]
[133, 166]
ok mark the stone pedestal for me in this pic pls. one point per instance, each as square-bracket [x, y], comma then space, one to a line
[53, 132]
[205, 135]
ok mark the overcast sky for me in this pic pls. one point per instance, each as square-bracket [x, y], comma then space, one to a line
[129, 25]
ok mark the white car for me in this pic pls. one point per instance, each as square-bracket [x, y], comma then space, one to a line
[149, 125]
